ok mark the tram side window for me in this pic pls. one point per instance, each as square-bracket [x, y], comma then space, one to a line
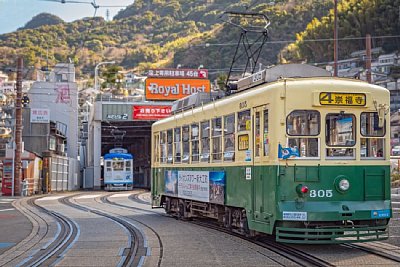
[169, 146]
[128, 166]
[163, 147]
[108, 165]
[195, 142]
[340, 135]
[177, 145]
[217, 139]
[229, 137]
[186, 145]
[244, 121]
[157, 148]
[205, 141]
[266, 137]
[306, 125]
[303, 122]
[372, 141]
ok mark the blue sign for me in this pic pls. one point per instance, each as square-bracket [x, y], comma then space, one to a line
[287, 152]
[378, 214]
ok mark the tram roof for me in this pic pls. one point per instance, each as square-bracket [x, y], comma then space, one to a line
[118, 155]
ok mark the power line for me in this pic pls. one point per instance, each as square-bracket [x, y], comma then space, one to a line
[307, 40]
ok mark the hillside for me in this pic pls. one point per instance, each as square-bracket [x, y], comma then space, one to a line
[41, 20]
[161, 33]
[379, 18]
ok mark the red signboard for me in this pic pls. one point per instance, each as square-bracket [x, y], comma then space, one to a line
[178, 73]
[173, 89]
[151, 112]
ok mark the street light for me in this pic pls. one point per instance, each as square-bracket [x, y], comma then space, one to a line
[96, 70]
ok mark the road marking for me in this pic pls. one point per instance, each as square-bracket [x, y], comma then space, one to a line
[49, 198]
[8, 200]
[87, 196]
[4, 245]
[121, 195]
[7, 210]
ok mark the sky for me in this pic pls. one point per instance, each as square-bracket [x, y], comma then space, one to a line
[16, 13]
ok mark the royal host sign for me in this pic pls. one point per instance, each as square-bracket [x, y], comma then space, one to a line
[174, 88]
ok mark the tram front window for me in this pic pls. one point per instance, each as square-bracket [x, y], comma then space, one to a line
[118, 165]
[305, 124]
[340, 135]
[372, 141]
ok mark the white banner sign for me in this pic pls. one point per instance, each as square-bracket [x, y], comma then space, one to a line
[194, 185]
[40, 115]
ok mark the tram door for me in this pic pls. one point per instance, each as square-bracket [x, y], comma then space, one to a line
[155, 175]
[259, 171]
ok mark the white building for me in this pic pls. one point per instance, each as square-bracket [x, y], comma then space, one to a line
[59, 94]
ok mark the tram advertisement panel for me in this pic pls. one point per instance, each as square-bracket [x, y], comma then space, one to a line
[196, 185]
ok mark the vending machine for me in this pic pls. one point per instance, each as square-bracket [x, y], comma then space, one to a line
[6, 185]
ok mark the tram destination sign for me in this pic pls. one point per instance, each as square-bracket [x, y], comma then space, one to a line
[342, 99]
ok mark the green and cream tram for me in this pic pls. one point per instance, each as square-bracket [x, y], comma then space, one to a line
[294, 153]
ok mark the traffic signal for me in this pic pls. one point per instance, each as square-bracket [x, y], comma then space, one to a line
[25, 101]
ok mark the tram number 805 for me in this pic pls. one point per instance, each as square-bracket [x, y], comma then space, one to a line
[321, 193]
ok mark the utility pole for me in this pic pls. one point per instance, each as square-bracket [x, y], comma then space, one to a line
[369, 58]
[335, 42]
[18, 129]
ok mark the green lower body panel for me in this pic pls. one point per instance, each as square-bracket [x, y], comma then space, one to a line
[330, 235]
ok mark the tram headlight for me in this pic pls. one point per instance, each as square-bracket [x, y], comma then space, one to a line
[344, 185]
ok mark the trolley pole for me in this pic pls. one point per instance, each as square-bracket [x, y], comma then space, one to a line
[18, 130]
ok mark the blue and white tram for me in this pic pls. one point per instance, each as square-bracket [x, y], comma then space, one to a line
[118, 172]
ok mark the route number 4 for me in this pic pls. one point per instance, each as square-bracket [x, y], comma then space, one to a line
[321, 193]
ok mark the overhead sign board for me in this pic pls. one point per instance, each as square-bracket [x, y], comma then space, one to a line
[40, 115]
[151, 112]
[178, 73]
[173, 89]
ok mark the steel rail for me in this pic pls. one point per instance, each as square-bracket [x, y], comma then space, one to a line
[105, 199]
[133, 255]
[59, 245]
[297, 256]
[381, 254]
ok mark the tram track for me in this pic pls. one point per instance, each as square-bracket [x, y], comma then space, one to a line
[36, 236]
[373, 251]
[53, 251]
[134, 254]
[105, 199]
[297, 256]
